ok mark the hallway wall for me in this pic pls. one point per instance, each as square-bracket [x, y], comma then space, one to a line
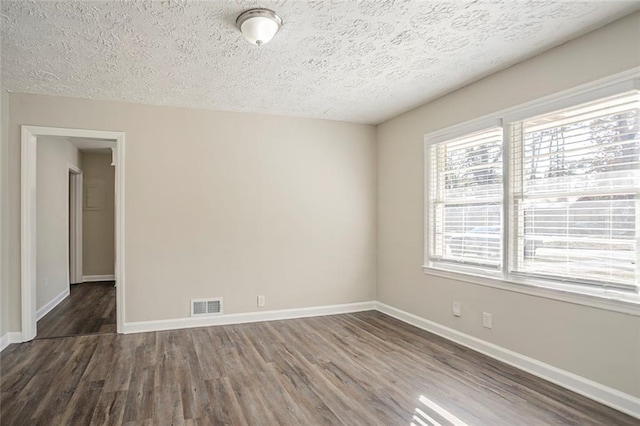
[98, 236]
[4, 214]
[52, 211]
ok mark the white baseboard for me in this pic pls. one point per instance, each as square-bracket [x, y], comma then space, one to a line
[94, 278]
[226, 319]
[605, 395]
[9, 338]
[52, 304]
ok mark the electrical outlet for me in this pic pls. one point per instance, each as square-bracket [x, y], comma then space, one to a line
[457, 309]
[261, 301]
[46, 282]
[487, 320]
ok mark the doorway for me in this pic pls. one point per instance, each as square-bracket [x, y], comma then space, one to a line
[73, 263]
[80, 299]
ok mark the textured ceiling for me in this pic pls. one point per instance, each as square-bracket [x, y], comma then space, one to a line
[362, 61]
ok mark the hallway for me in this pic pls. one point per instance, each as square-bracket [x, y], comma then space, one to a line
[90, 309]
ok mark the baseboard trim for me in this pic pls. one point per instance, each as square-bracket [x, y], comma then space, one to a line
[227, 319]
[52, 304]
[613, 398]
[9, 338]
[94, 278]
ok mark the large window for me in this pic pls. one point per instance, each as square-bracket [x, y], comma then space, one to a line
[552, 196]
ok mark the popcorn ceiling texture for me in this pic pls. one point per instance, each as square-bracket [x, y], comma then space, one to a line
[363, 61]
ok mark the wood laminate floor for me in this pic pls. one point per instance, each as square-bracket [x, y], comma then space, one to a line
[353, 369]
[89, 309]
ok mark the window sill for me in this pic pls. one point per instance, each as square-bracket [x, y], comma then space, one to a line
[596, 298]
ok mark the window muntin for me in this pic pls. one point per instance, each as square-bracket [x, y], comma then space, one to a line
[573, 181]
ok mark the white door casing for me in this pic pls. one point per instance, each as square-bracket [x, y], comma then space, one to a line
[28, 237]
[75, 225]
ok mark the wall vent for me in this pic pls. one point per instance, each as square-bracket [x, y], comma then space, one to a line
[206, 307]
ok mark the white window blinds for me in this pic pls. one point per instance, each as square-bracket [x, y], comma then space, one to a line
[575, 188]
[466, 196]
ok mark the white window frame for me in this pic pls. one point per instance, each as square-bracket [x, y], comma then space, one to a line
[464, 130]
[600, 297]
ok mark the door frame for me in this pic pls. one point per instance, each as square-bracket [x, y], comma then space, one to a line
[74, 245]
[28, 186]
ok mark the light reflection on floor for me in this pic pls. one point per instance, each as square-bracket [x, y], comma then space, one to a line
[421, 418]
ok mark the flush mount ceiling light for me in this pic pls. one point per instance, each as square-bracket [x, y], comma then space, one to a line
[259, 25]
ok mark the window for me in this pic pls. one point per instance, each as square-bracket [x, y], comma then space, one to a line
[576, 180]
[554, 200]
[466, 200]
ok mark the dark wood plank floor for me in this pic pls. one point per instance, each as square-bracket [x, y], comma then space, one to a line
[89, 309]
[353, 369]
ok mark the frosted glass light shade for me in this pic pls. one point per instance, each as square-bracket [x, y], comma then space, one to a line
[259, 25]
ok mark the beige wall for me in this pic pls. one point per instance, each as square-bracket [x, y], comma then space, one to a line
[600, 345]
[53, 157]
[226, 204]
[98, 236]
[4, 216]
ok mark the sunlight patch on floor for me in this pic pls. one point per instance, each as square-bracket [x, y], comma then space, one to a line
[421, 418]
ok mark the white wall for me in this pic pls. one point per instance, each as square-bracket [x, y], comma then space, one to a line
[98, 236]
[227, 204]
[52, 212]
[601, 345]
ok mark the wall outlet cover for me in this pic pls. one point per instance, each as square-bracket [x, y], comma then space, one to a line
[457, 309]
[487, 320]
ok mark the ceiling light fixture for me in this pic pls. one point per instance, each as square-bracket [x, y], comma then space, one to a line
[259, 25]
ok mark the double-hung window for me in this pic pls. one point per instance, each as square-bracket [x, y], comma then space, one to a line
[547, 195]
[466, 200]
